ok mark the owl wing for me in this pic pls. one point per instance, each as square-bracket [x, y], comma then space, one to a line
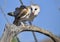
[22, 13]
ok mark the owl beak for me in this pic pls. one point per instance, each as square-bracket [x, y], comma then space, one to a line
[33, 12]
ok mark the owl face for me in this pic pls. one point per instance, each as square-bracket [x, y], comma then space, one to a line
[35, 9]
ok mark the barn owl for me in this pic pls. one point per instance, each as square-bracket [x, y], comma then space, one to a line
[25, 13]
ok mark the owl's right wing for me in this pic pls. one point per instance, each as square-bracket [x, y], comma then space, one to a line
[22, 13]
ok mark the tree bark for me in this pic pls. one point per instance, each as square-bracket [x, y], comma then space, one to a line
[12, 30]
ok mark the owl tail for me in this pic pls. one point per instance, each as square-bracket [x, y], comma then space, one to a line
[11, 14]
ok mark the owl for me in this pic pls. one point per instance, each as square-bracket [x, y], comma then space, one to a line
[25, 13]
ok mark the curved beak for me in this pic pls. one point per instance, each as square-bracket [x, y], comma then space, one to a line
[32, 12]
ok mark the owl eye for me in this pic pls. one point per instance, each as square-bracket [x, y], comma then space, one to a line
[35, 8]
[31, 8]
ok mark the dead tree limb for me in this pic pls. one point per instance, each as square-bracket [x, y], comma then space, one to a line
[12, 30]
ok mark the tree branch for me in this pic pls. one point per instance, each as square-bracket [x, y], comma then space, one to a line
[12, 30]
[21, 2]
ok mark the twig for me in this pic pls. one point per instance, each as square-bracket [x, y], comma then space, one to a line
[21, 2]
[3, 13]
[35, 38]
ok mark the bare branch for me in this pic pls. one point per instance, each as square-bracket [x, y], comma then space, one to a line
[12, 30]
[21, 2]
[4, 13]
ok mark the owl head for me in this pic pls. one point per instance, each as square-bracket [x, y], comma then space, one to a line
[35, 9]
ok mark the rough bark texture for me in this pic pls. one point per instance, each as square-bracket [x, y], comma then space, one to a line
[12, 30]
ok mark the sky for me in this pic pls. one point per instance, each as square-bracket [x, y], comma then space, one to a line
[48, 18]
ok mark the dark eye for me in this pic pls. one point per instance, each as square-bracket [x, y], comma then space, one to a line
[35, 8]
[31, 8]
